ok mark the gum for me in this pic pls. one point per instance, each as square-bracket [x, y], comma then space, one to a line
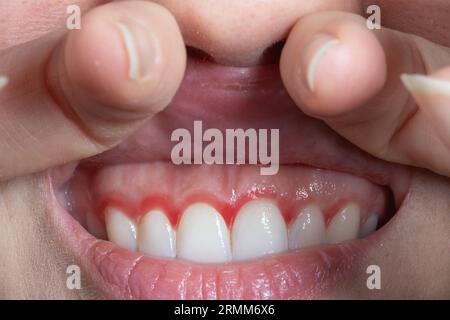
[138, 188]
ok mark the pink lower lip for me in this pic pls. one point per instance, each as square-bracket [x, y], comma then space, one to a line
[305, 275]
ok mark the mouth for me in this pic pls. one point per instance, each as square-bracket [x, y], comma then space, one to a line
[145, 228]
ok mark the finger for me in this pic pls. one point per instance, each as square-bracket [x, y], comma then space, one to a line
[122, 67]
[432, 94]
[338, 70]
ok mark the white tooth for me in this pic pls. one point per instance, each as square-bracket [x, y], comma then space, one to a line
[258, 230]
[95, 226]
[203, 235]
[121, 229]
[308, 229]
[156, 236]
[345, 224]
[369, 226]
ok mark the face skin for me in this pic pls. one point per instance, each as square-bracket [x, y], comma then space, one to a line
[415, 254]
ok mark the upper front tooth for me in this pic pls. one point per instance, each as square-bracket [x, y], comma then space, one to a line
[120, 229]
[308, 229]
[156, 236]
[259, 229]
[203, 235]
[344, 225]
[369, 226]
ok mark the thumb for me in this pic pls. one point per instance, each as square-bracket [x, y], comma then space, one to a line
[338, 70]
[70, 100]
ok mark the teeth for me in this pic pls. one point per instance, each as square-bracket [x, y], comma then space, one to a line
[156, 236]
[203, 235]
[369, 226]
[258, 230]
[308, 229]
[345, 224]
[121, 229]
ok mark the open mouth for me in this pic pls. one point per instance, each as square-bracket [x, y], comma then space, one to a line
[146, 228]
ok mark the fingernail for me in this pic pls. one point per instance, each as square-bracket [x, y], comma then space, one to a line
[141, 47]
[432, 95]
[3, 82]
[419, 85]
[318, 55]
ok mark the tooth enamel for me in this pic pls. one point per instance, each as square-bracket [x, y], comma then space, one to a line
[95, 226]
[308, 229]
[344, 225]
[203, 235]
[121, 230]
[156, 236]
[259, 229]
[369, 226]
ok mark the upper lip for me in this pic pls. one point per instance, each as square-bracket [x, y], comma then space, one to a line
[251, 97]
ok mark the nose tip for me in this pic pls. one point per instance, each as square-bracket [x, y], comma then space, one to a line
[233, 40]
[237, 32]
[232, 32]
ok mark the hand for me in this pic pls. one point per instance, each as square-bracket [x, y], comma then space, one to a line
[338, 70]
[64, 98]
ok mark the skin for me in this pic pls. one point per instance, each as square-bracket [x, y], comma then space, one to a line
[391, 134]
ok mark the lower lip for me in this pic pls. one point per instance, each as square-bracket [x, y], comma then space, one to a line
[122, 274]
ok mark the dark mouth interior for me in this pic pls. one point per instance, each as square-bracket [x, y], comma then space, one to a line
[270, 56]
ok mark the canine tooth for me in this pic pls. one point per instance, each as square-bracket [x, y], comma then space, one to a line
[95, 226]
[120, 229]
[369, 226]
[258, 230]
[203, 235]
[308, 229]
[156, 236]
[344, 225]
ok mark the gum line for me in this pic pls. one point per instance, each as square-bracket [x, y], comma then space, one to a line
[138, 188]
